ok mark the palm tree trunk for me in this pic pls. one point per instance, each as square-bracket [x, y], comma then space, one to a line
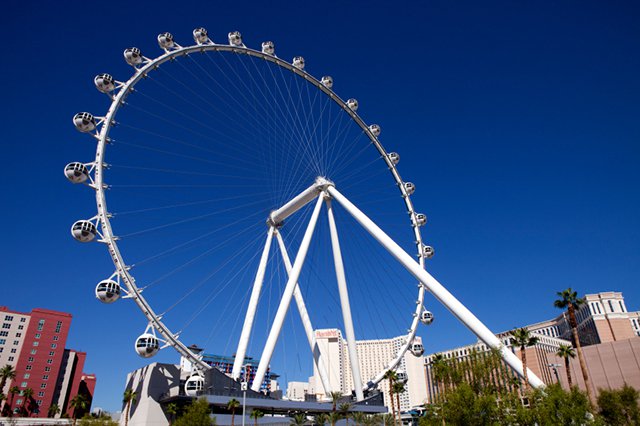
[393, 407]
[126, 417]
[399, 411]
[566, 367]
[233, 417]
[583, 366]
[523, 351]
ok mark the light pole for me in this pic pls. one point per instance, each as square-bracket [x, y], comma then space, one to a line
[243, 386]
[554, 367]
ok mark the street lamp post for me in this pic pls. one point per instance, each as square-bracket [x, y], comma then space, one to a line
[554, 367]
[243, 386]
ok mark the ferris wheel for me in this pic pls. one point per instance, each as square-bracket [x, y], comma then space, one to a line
[222, 163]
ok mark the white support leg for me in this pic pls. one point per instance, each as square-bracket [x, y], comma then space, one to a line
[251, 310]
[274, 333]
[437, 289]
[306, 321]
[346, 306]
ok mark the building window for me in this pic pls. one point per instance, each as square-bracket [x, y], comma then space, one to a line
[21, 327]
[18, 334]
[4, 333]
[54, 345]
[47, 369]
[13, 350]
[3, 341]
[16, 342]
[610, 305]
[621, 306]
[39, 402]
[49, 361]
[23, 319]
[1, 349]
[19, 401]
[30, 359]
[10, 358]
[27, 375]
[58, 326]
[23, 384]
[52, 353]
[45, 377]
[55, 338]
[43, 386]
[40, 394]
[6, 325]
[8, 318]
[36, 343]
[37, 335]
[33, 351]
[40, 325]
[28, 367]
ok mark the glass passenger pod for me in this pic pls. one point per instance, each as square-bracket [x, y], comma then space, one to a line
[76, 172]
[84, 231]
[147, 345]
[375, 130]
[401, 377]
[409, 188]
[327, 81]
[352, 104]
[417, 349]
[420, 219]
[394, 157]
[200, 35]
[235, 38]
[133, 56]
[298, 62]
[108, 291]
[194, 385]
[165, 40]
[426, 317]
[428, 252]
[268, 48]
[104, 83]
[84, 122]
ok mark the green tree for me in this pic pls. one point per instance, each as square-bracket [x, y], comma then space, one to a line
[523, 339]
[620, 406]
[359, 418]
[128, 398]
[299, 419]
[53, 410]
[398, 388]
[232, 406]
[333, 416]
[13, 391]
[80, 405]
[255, 415]
[335, 397]
[88, 420]
[345, 411]
[569, 299]
[565, 352]
[321, 419]
[7, 373]
[171, 410]
[388, 420]
[555, 406]
[391, 376]
[197, 413]
[27, 395]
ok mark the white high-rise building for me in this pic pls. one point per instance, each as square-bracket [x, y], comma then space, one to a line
[373, 356]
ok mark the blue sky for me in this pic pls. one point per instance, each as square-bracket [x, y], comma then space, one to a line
[518, 124]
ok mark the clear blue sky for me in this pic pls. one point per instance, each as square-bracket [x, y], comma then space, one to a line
[519, 123]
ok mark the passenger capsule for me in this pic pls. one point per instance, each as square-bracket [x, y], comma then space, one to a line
[84, 231]
[235, 38]
[394, 157]
[165, 40]
[194, 385]
[327, 81]
[428, 252]
[401, 377]
[76, 172]
[298, 62]
[104, 83]
[84, 122]
[147, 345]
[200, 36]
[409, 188]
[375, 130]
[108, 291]
[133, 56]
[426, 317]
[268, 48]
[417, 349]
[420, 219]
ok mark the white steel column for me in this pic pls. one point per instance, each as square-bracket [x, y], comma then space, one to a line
[346, 306]
[437, 289]
[274, 333]
[251, 310]
[306, 321]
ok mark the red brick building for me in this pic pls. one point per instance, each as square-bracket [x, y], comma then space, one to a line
[35, 345]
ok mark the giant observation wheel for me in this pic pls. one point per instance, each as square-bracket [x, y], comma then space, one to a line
[212, 141]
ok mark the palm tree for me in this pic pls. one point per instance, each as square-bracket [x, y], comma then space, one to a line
[129, 397]
[398, 388]
[299, 419]
[333, 416]
[345, 411]
[388, 420]
[440, 372]
[321, 419]
[232, 406]
[27, 394]
[391, 376]
[523, 338]
[6, 373]
[54, 409]
[335, 397]
[13, 391]
[172, 410]
[255, 415]
[566, 352]
[79, 403]
[569, 299]
[359, 418]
